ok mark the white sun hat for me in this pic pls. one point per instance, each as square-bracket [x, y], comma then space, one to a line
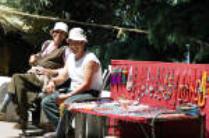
[60, 26]
[77, 34]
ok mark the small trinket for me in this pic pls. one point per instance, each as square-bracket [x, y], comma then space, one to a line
[129, 84]
[124, 76]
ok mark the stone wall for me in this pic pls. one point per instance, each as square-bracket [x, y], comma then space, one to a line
[11, 113]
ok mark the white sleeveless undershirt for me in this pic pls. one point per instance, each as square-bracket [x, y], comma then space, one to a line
[76, 71]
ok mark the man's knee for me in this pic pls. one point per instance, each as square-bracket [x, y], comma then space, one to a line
[13, 83]
[44, 102]
[16, 77]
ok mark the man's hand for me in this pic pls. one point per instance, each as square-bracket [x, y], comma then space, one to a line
[50, 87]
[33, 59]
[42, 70]
[60, 99]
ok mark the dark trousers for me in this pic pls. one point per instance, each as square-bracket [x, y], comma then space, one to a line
[25, 88]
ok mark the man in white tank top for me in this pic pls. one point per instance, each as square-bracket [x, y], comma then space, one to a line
[84, 70]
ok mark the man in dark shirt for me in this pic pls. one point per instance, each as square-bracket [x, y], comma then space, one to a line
[23, 88]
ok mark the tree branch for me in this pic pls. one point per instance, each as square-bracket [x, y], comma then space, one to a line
[105, 26]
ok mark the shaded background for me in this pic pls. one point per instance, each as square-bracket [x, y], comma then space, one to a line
[175, 28]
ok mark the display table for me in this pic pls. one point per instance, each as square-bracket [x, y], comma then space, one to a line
[163, 87]
[145, 117]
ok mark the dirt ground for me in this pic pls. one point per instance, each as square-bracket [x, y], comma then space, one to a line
[7, 130]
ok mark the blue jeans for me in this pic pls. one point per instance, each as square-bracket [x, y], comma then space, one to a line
[51, 110]
[64, 128]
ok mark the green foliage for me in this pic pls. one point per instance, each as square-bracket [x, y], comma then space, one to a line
[176, 21]
[171, 25]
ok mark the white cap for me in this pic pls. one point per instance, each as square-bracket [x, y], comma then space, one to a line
[60, 26]
[77, 34]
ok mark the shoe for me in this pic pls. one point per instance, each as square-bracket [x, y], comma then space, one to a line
[50, 135]
[33, 132]
[2, 116]
[28, 126]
